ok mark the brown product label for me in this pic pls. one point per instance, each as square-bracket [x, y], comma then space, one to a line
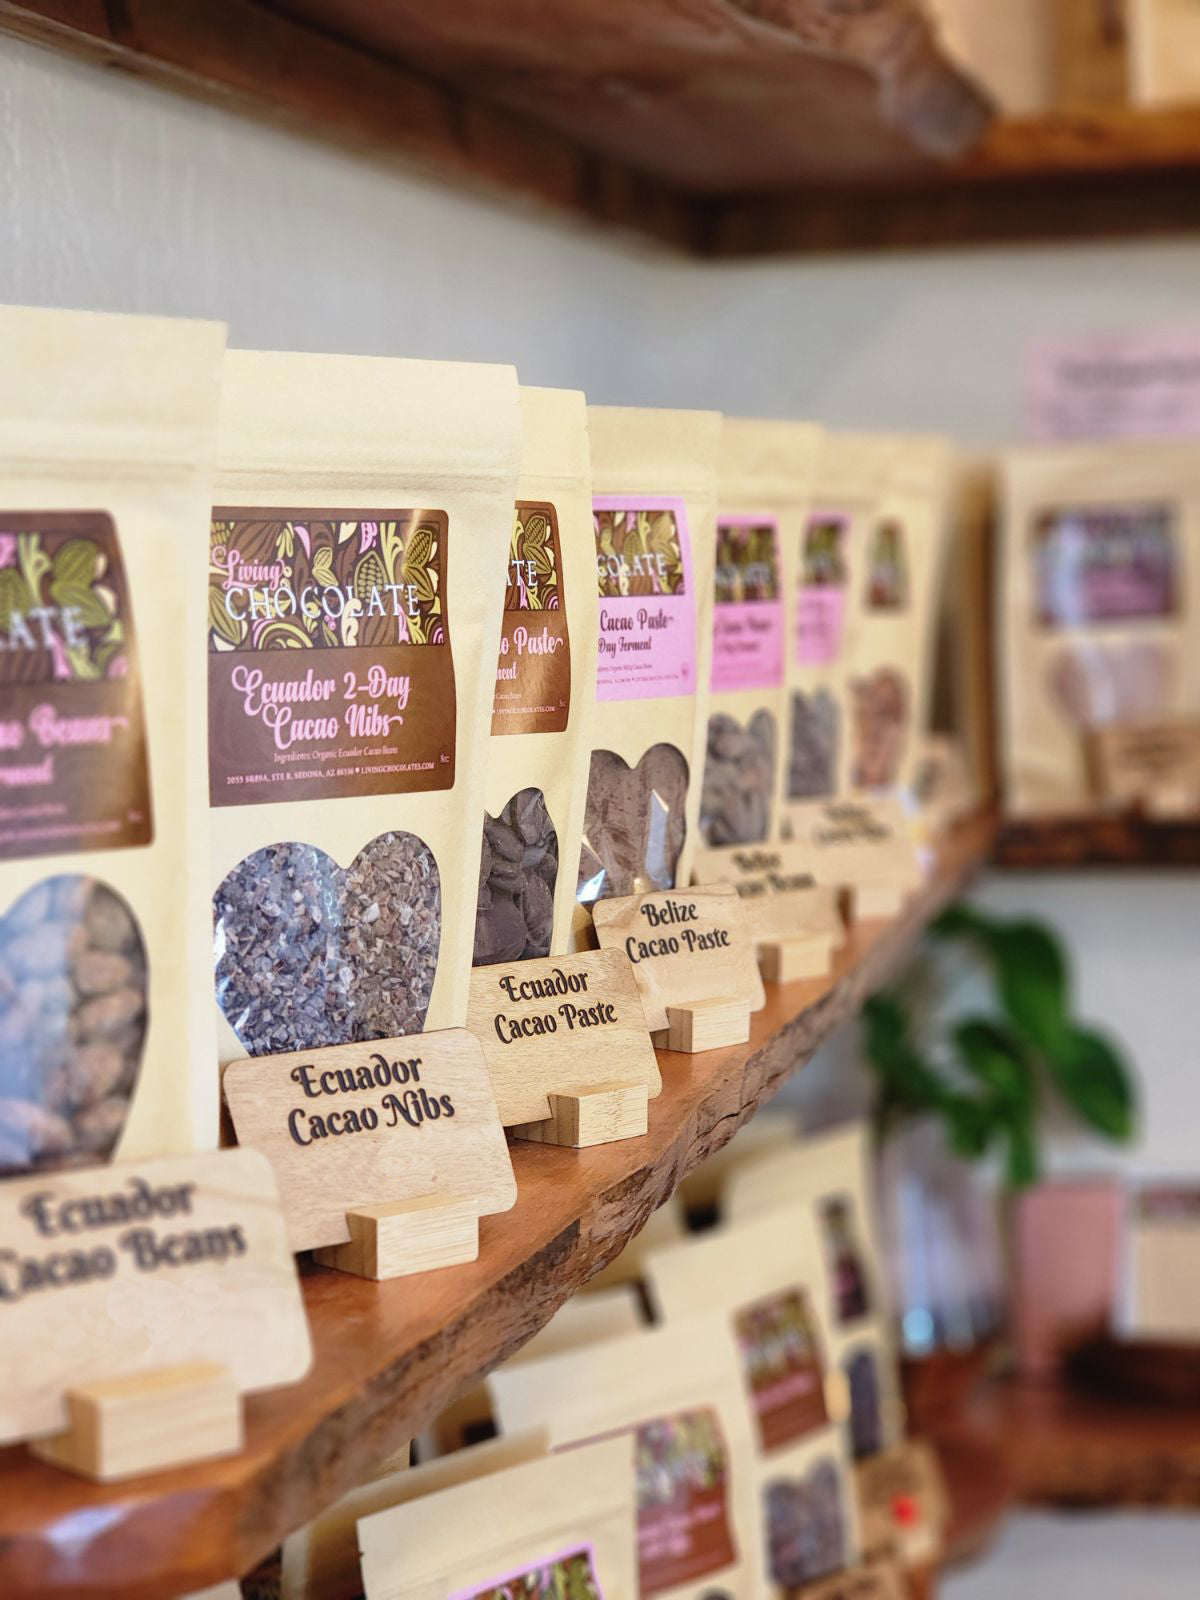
[1105, 564]
[683, 1527]
[782, 1366]
[73, 765]
[533, 677]
[887, 568]
[330, 670]
[569, 1576]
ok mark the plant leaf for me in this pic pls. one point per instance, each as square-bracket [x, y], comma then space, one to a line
[1032, 980]
[997, 1058]
[1091, 1076]
[890, 1053]
[1022, 1154]
[970, 1124]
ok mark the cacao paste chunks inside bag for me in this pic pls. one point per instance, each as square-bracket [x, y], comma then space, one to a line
[107, 436]
[356, 575]
[537, 757]
[1097, 608]
[891, 634]
[768, 1279]
[764, 486]
[474, 1527]
[828, 1176]
[821, 567]
[677, 1392]
[654, 504]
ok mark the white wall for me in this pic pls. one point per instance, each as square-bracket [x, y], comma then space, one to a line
[115, 195]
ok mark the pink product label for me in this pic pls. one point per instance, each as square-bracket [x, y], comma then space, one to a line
[647, 646]
[1142, 385]
[819, 617]
[821, 589]
[748, 646]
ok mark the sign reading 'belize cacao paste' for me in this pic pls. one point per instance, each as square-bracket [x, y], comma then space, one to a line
[330, 671]
[533, 676]
[73, 772]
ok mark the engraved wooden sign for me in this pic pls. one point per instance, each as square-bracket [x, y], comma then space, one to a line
[365, 1127]
[1151, 765]
[112, 1273]
[857, 843]
[692, 955]
[560, 1026]
[775, 883]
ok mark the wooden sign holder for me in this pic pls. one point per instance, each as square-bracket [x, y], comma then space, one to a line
[122, 1427]
[693, 961]
[347, 1122]
[864, 846]
[148, 1242]
[566, 1044]
[795, 921]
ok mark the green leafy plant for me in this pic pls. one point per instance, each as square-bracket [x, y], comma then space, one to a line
[989, 1078]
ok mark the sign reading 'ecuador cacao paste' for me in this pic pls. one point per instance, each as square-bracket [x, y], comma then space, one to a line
[330, 671]
[533, 677]
[560, 1025]
[360, 1124]
[73, 772]
[107, 1272]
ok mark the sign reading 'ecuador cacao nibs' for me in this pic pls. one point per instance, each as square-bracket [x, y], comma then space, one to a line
[357, 1125]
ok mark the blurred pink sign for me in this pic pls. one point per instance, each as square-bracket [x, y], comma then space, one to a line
[1115, 386]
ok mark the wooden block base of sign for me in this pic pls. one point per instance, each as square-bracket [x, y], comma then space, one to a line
[121, 1427]
[406, 1236]
[704, 1025]
[786, 960]
[877, 903]
[601, 1114]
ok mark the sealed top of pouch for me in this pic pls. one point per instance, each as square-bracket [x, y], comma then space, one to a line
[636, 447]
[769, 459]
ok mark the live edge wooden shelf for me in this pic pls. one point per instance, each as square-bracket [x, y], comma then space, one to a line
[390, 1356]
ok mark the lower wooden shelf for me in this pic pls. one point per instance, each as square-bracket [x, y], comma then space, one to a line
[1064, 1448]
[390, 1356]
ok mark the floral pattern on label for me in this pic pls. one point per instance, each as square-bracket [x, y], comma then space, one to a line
[748, 616]
[330, 668]
[782, 1365]
[647, 645]
[533, 675]
[569, 1576]
[73, 763]
[821, 592]
[683, 1526]
[1097, 564]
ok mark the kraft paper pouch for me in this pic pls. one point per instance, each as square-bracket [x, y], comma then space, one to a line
[822, 569]
[654, 505]
[676, 1393]
[559, 1525]
[359, 539]
[320, 1561]
[891, 632]
[540, 743]
[768, 1279]
[584, 1319]
[764, 487]
[107, 437]
[1097, 623]
[829, 1175]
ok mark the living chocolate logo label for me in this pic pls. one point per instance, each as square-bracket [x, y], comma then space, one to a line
[647, 641]
[73, 763]
[683, 1525]
[533, 676]
[330, 668]
[781, 1361]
